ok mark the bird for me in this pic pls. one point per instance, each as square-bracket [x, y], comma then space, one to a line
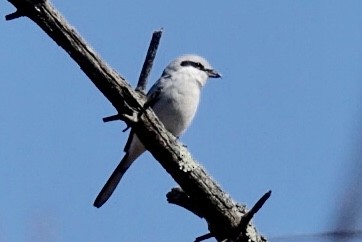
[174, 98]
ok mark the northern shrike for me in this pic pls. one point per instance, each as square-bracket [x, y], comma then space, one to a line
[174, 98]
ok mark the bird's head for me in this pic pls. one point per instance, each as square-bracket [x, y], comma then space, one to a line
[193, 65]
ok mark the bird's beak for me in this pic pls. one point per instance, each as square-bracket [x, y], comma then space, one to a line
[213, 74]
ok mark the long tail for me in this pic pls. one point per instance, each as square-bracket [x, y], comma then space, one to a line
[113, 181]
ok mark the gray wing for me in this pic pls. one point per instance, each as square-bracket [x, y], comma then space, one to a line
[152, 97]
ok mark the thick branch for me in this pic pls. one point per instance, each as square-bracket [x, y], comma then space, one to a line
[178, 197]
[221, 212]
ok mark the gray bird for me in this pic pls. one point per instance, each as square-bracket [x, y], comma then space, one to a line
[174, 98]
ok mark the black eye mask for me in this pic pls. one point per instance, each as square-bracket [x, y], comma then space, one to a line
[197, 65]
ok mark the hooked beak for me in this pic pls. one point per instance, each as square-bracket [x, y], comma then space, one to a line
[213, 74]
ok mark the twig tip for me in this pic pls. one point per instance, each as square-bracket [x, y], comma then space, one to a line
[14, 15]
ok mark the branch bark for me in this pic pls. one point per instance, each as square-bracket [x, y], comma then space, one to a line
[222, 214]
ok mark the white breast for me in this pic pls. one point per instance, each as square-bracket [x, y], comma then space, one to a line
[177, 103]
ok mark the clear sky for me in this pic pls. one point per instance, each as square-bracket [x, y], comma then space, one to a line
[286, 116]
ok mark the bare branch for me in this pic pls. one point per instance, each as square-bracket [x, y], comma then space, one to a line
[146, 69]
[14, 15]
[111, 118]
[204, 237]
[150, 57]
[241, 232]
[220, 211]
[178, 197]
[249, 215]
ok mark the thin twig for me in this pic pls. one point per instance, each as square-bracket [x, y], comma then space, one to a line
[111, 118]
[145, 72]
[148, 63]
[203, 237]
[249, 215]
[14, 15]
[240, 231]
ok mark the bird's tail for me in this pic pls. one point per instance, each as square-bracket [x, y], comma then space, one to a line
[113, 181]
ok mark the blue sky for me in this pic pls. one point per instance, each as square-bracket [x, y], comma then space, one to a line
[286, 116]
